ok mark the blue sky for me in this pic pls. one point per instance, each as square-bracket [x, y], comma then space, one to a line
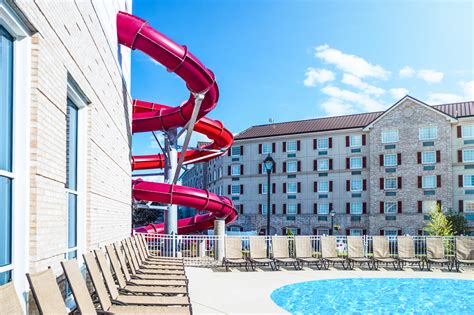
[290, 60]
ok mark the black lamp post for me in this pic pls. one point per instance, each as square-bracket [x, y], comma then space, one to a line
[268, 164]
[332, 214]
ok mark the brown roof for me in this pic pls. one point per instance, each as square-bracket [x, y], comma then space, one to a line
[456, 110]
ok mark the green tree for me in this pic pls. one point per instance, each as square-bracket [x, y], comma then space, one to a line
[438, 224]
[458, 222]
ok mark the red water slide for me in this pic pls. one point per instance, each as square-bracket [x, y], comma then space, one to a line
[136, 33]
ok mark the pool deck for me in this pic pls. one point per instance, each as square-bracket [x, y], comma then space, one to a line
[214, 291]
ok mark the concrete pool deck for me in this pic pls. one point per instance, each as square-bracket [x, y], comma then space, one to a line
[214, 291]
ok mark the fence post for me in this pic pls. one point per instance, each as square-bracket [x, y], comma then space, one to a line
[219, 232]
[201, 247]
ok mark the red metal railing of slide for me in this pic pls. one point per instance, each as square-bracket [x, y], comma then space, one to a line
[136, 33]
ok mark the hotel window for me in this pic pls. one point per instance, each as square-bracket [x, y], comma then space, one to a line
[6, 154]
[390, 160]
[291, 166]
[390, 232]
[323, 208]
[390, 207]
[390, 183]
[429, 205]
[355, 232]
[322, 231]
[356, 184]
[467, 131]
[428, 157]
[291, 209]
[428, 133]
[292, 231]
[390, 136]
[429, 182]
[323, 164]
[356, 162]
[468, 155]
[219, 172]
[235, 170]
[235, 151]
[468, 206]
[291, 146]
[235, 189]
[323, 187]
[356, 208]
[71, 176]
[264, 209]
[468, 181]
[264, 189]
[291, 188]
[267, 148]
[355, 140]
[323, 143]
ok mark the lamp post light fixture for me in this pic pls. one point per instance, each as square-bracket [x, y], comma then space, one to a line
[332, 214]
[268, 163]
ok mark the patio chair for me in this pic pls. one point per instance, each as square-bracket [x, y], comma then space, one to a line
[130, 289]
[464, 251]
[281, 253]
[329, 252]
[355, 252]
[46, 292]
[233, 253]
[98, 281]
[146, 273]
[381, 250]
[155, 266]
[406, 253]
[86, 306]
[142, 242]
[117, 249]
[258, 253]
[435, 253]
[9, 301]
[304, 252]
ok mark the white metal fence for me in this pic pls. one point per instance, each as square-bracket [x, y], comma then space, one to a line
[207, 250]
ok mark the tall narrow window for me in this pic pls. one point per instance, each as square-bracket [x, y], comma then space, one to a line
[71, 177]
[6, 154]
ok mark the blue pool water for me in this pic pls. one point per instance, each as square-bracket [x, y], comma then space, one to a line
[377, 296]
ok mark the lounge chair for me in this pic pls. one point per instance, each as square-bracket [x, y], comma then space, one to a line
[435, 253]
[97, 278]
[281, 253]
[304, 252]
[9, 301]
[233, 253]
[155, 266]
[258, 253]
[46, 293]
[406, 253]
[464, 251]
[355, 252]
[86, 306]
[142, 242]
[329, 252]
[137, 281]
[146, 273]
[381, 250]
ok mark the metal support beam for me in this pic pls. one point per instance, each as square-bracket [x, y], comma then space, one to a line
[171, 216]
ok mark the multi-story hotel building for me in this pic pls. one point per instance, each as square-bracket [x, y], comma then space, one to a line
[65, 134]
[378, 173]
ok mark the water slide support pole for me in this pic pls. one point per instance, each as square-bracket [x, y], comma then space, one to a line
[171, 215]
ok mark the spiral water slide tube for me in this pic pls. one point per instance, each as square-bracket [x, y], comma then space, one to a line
[136, 33]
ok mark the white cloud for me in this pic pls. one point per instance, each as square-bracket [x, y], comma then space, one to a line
[398, 93]
[315, 76]
[406, 72]
[336, 107]
[468, 88]
[363, 86]
[443, 98]
[366, 102]
[350, 63]
[430, 76]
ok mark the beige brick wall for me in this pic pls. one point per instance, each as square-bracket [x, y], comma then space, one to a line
[78, 38]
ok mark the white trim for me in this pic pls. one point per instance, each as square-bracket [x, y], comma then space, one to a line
[21, 147]
[7, 174]
[81, 101]
[407, 97]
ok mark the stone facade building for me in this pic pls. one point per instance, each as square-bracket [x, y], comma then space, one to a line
[65, 117]
[377, 173]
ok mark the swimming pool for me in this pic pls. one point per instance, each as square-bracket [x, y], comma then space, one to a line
[377, 296]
